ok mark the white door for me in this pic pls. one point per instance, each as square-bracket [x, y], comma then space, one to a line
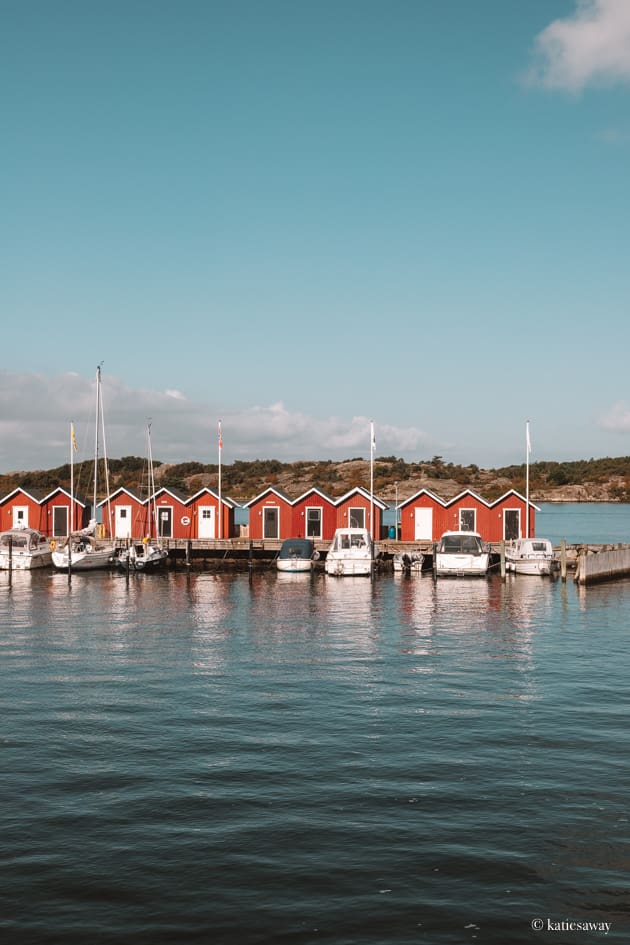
[20, 516]
[423, 525]
[122, 521]
[206, 519]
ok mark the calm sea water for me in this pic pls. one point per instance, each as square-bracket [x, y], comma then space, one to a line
[296, 759]
[598, 523]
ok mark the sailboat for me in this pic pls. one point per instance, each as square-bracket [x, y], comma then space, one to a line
[145, 556]
[80, 551]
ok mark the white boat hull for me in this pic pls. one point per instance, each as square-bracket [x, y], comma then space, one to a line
[462, 565]
[93, 560]
[349, 567]
[294, 564]
[24, 562]
[528, 566]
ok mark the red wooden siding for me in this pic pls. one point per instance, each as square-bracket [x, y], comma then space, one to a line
[40, 512]
[268, 500]
[359, 500]
[208, 499]
[489, 519]
[314, 499]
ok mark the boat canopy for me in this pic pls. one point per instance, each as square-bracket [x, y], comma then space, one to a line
[296, 548]
[26, 538]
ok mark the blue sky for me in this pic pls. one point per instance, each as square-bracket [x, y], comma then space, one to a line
[298, 217]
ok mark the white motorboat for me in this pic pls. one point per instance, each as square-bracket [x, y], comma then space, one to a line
[530, 556]
[461, 554]
[296, 554]
[22, 549]
[408, 562]
[351, 553]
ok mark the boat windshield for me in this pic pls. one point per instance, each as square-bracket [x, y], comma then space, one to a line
[18, 541]
[460, 545]
[346, 542]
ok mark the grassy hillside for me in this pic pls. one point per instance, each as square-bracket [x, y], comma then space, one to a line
[605, 479]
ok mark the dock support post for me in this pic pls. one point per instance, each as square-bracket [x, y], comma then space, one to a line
[434, 561]
[563, 559]
[10, 560]
[188, 553]
[502, 553]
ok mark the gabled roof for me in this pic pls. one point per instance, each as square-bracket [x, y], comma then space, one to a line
[40, 495]
[513, 492]
[224, 499]
[359, 490]
[281, 495]
[79, 498]
[132, 493]
[416, 495]
[467, 493]
[315, 491]
[37, 495]
[178, 496]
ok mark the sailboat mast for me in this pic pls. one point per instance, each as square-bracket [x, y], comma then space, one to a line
[528, 449]
[96, 427]
[153, 522]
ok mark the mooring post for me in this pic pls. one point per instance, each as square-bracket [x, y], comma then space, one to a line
[434, 565]
[502, 554]
[188, 553]
[563, 559]
[10, 558]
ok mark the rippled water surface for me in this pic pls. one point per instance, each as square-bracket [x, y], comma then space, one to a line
[300, 759]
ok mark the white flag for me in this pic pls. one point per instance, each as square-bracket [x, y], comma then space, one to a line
[373, 440]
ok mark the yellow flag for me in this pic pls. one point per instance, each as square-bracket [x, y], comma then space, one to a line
[72, 437]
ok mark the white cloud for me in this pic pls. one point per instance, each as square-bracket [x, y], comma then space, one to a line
[37, 411]
[617, 420]
[590, 47]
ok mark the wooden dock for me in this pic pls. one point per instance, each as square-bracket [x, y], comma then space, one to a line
[590, 563]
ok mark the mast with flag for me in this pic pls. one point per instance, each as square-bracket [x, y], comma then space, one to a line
[372, 449]
[528, 449]
[220, 439]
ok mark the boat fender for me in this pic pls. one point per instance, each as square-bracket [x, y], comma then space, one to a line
[145, 540]
[53, 545]
[316, 556]
[185, 520]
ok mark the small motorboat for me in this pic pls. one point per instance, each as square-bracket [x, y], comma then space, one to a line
[461, 554]
[296, 554]
[351, 553]
[23, 549]
[140, 557]
[530, 556]
[408, 562]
